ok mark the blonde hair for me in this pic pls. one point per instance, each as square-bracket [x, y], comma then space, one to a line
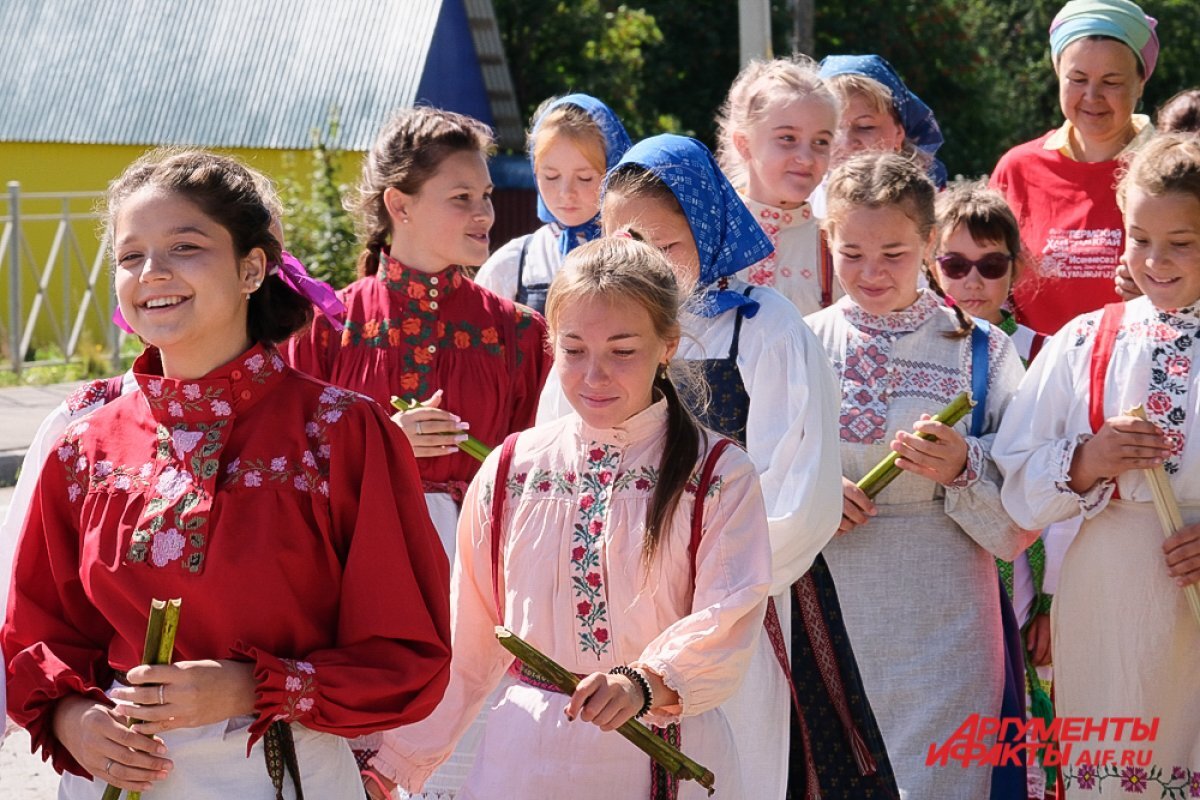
[878, 96]
[571, 123]
[407, 152]
[1170, 162]
[621, 269]
[757, 86]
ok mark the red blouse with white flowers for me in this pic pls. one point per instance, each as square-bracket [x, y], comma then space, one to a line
[285, 513]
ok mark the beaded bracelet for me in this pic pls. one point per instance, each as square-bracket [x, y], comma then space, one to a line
[640, 681]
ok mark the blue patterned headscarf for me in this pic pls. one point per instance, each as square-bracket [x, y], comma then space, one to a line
[727, 236]
[616, 142]
[920, 125]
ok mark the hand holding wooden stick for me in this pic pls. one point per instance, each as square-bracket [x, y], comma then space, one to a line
[669, 757]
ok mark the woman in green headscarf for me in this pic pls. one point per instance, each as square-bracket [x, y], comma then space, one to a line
[1061, 185]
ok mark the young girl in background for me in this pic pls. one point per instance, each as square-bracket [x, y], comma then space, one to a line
[573, 141]
[777, 130]
[233, 482]
[579, 536]
[918, 580]
[770, 388]
[879, 114]
[416, 326]
[1125, 642]
[978, 255]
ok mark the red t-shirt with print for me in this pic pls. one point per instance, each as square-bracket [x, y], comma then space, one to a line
[1070, 224]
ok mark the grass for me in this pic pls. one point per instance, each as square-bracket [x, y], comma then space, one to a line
[92, 361]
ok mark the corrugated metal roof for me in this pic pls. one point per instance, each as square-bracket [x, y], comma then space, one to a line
[224, 73]
[510, 125]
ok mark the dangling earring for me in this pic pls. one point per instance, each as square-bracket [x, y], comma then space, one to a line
[662, 372]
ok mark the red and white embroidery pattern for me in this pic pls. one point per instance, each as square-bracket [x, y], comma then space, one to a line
[869, 378]
[587, 578]
[1172, 334]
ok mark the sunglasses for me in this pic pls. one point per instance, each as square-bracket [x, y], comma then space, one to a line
[992, 266]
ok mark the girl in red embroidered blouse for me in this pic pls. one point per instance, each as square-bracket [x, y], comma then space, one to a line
[237, 484]
[416, 326]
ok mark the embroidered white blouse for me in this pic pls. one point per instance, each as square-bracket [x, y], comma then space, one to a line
[794, 269]
[575, 586]
[1151, 365]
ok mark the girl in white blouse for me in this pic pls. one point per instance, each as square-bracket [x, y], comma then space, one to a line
[1125, 642]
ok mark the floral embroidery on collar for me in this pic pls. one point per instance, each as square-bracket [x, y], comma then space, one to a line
[194, 423]
[312, 473]
[417, 285]
[773, 220]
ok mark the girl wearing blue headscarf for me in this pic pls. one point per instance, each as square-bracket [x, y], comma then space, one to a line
[574, 140]
[881, 113]
[773, 390]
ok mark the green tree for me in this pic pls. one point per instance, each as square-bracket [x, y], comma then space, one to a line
[602, 48]
[317, 228]
[982, 65]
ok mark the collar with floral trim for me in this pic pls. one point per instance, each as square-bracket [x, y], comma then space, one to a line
[226, 391]
[194, 419]
[1185, 318]
[905, 320]
[778, 217]
[415, 284]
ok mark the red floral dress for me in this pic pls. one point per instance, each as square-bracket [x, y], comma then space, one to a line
[409, 333]
[246, 490]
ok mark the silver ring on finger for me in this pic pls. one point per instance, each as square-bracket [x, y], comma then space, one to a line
[108, 766]
[420, 429]
[161, 701]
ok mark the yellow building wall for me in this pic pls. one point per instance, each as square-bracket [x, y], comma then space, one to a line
[52, 167]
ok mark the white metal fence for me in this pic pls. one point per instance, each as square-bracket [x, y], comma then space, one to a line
[53, 276]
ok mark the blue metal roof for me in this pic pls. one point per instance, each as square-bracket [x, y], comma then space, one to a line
[229, 73]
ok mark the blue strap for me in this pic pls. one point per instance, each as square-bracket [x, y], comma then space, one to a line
[979, 373]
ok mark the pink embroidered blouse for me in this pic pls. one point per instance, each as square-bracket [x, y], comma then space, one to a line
[245, 493]
[575, 586]
[409, 333]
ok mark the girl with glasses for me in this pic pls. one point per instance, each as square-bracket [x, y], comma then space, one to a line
[979, 256]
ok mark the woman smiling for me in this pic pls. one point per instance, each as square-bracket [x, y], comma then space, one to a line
[1061, 185]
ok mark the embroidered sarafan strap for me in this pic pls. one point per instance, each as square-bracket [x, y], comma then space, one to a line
[826, 658]
[279, 747]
